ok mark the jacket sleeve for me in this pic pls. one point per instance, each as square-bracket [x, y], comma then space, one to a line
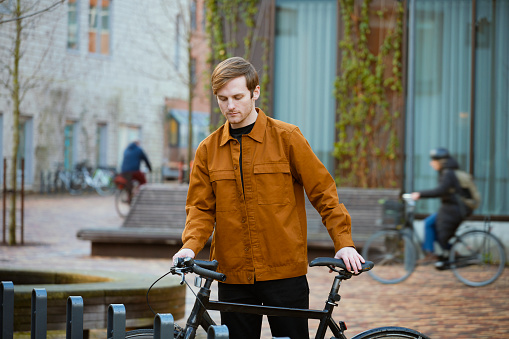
[444, 187]
[321, 190]
[200, 205]
[145, 158]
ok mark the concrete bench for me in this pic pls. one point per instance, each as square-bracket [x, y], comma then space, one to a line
[154, 225]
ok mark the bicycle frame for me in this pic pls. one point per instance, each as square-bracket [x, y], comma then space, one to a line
[200, 317]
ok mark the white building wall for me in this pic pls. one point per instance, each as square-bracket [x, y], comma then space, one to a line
[125, 88]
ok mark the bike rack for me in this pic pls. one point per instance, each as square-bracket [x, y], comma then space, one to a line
[163, 323]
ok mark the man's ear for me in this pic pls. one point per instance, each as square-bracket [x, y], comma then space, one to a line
[256, 92]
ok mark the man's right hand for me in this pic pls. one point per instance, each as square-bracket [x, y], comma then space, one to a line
[183, 253]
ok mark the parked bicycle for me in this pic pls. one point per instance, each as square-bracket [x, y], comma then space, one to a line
[127, 190]
[101, 179]
[200, 317]
[68, 180]
[476, 257]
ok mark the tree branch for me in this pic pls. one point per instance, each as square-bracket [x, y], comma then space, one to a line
[35, 13]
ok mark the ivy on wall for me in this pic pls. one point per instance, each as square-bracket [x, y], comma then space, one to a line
[367, 144]
[222, 20]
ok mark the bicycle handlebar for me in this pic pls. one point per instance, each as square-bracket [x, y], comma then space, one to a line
[368, 265]
[207, 268]
[201, 267]
[408, 199]
[208, 273]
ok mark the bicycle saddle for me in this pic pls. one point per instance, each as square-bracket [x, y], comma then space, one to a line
[338, 263]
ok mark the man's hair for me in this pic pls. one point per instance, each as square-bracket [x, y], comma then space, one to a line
[233, 68]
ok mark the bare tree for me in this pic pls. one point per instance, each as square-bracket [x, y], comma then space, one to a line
[178, 19]
[18, 14]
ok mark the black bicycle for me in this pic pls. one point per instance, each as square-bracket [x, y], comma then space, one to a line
[476, 257]
[200, 317]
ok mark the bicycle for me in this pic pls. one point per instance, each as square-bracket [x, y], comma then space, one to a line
[127, 190]
[476, 257]
[68, 180]
[199, 315]
[101, 180]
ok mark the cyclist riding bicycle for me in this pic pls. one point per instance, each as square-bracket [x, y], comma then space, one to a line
[442, 225]
[130, 170]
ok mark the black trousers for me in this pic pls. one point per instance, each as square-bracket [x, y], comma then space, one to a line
[291, 292]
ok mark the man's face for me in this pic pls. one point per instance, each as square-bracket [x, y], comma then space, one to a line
[236, 103]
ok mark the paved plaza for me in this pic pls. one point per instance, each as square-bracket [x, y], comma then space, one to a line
[430, 301]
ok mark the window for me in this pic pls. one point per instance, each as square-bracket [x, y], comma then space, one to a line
[193, 15]
[70, 144]
[441, 112]
[72, 25]
[173, 132]
[99, 38]
[204, 18]
[101, 145]
[25, 149]
[306, 32]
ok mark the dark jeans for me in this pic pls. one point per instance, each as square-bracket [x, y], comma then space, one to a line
[291, 292]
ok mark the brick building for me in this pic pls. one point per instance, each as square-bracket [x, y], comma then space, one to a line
[103, 73]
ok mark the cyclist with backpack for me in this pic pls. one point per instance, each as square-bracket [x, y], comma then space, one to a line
[457, 202]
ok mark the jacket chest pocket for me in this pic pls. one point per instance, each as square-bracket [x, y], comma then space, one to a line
[273, 182]
[225, 189]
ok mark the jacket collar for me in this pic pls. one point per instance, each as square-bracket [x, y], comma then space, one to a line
[256, 134]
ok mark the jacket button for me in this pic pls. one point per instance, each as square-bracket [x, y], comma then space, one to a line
[243, 220]
[246, 249]
[249, 278]
[234, 167]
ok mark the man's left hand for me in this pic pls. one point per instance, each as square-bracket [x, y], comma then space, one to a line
[351, 258]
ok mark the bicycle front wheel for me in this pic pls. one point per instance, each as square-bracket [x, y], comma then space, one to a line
[149, 334]
[76, 183]
[123, 202]
[104, 183]
[394, 255]
[390, 332]
[477, 258]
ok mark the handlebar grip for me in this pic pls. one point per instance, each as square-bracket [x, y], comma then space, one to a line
[209, 265]
[208, 273]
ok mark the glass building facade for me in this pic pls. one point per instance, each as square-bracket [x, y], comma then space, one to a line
[458, 86]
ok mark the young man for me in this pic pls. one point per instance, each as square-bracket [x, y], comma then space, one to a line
[247, 188]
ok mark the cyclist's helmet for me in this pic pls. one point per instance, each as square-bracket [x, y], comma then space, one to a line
[439, 153]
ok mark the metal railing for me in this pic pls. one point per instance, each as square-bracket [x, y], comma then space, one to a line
[116, 318]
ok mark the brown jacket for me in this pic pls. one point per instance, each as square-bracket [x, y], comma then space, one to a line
[263, 231]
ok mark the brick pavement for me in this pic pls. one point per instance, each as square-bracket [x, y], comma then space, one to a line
[432, 302]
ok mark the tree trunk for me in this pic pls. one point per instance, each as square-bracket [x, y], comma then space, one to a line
[190, 83]
[15, 128]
